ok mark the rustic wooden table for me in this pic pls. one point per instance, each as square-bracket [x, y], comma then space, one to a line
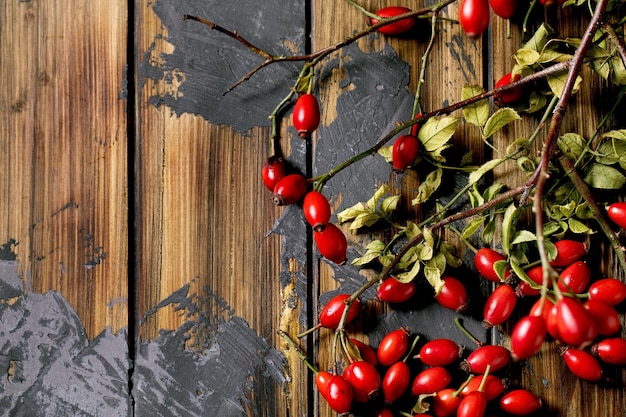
[144, 269]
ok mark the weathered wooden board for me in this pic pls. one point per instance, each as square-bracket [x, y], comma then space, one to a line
[142, 259]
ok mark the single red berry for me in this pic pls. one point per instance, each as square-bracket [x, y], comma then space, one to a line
[617, 213]
[397, 27]
[474, 17]
[393, 346]
[605, 316]
[575, 278]
[494, 356]
[452, 295]
[484, 260]
[333, 310]
[274, 170]
[393, 291]
[527, 337]
[511, 96]
[524, 289]
[332, 244]
[611, 351]
[473, 404]
[567, 252]
[290, 189]
[383, 412]
[493, 387]
[440, 352]
[416, 127]
[404, 152]
[431, 380]
[321, 381]
[339, 395]
[552, 322]
[503, 8]
[609, 290]
[536, 275]
[446, 402]
[520, 402]
[367, 353]
[396, 381]
[576, 327]
[582, 364]
[316, 210]
[499, 306]
[364, 379]
[306, 115]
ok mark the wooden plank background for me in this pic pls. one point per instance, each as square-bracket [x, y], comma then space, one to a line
[125, 193]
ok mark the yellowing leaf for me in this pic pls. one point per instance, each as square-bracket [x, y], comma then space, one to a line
[386, 152]
[382, 190]
[351, 212]
[539, 38]
[498, 120]
[436, 132]
[557, 83]
[526, 57]
[476, 113]
[428, 186]
[389, 204]
[433, 271]
[572, 145]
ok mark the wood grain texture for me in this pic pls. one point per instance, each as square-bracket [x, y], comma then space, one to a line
[64, 148]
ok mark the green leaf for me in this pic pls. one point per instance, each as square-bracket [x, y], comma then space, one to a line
[578, 226]
[436, 132]
[408, 276]
[605, 177]
[551, 55]
[389, 204]
[500, 267]
[428, 186]
[498, 120]
[618, 75]
[433, 271]
[476, 113]
[557, 83]
[489, 231]
[508, 227]
[351, 212]
[378, 194]
[412, 230]
[483, 169]
[449, 252]
[526, 57]
[613, 150]
[539, 38]
[572, 145]
[523, 236]
[536, 102]
[493, 191]
[472, 227]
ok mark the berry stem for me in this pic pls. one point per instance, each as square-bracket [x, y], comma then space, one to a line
[295, 347]
[458, 323]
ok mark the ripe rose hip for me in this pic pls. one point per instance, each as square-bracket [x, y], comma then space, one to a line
[396, 381]
[503, 8]
[440, 352]
[494, 356]
[404, 152]
[453, 294]
[395, 28]
[617, 213]
[446, 402]
[393, 291]
[484, 260]
[332, 244]
[364, 379]
[576, 327]
[474, 17]
[333, 310]
[511, 96]
[274, 170]
[611, 351]
[290, 189]
[520, 402]
[499, 306]
[306, 115]
[582, 364]
[567, 252]
[338, 395]
[393, 346]
[575, 278]
[431, 380]
[609, 290]
[605, 317]
[473, 404]
[316, 210]
[493, 387]
[527, 337]
[321, 381]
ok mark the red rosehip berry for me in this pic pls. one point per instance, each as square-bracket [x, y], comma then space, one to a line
[520, 402]
[393, 291]
[333, 310]
[504, 8]
[404, 152]
[617, 213]
[608, 290]
[306, 115]
[332, 244]
[316, 209]
[484, 260]
[398, 27]
[274, 170]
[499, 306]
[511, 96]
[290, 189]
[611, 351]
[440, 352]
[453, 294]
[567, 252]
[582, 364]
[396, 381]
[527, 337]
[474, 16]
[393, 346]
